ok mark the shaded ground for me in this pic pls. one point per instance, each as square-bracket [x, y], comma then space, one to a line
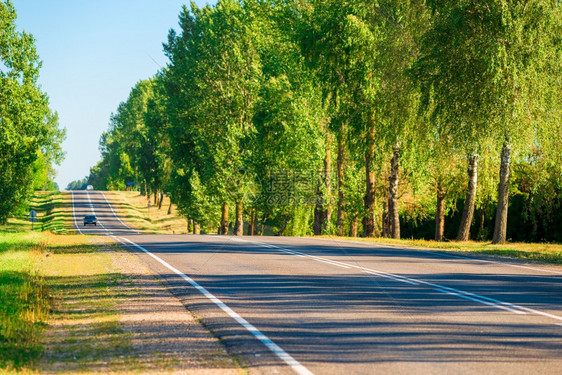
[114, 317]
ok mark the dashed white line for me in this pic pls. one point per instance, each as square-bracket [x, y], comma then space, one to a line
[115, 214]
[517, 309]
[74, 212]
[276, 349]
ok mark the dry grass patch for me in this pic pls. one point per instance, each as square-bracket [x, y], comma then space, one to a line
[132, 207]
[542, 252]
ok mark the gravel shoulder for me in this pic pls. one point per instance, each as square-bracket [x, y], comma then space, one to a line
[133, 325]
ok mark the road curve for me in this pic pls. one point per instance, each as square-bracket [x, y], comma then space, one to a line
[300, 305]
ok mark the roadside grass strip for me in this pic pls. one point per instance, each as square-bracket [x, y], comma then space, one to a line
[537, 252]
[24, 301]
[132, 210]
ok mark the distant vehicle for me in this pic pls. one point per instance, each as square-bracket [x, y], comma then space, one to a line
[89, 187]
[90, 219]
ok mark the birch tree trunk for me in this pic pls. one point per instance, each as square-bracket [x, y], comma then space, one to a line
[500, 227]
[440, 212]
[393, 193]
[327, 214]
[469, 202]
[224, 220]
[318, 211]
[341, 197]
[252, 223]
[369, 199]
[353, 225]
[239, 223]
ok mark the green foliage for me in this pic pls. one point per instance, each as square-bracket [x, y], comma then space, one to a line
[29, 134]
[265, 89]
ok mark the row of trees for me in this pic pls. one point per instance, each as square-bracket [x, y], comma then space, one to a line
[336, 116]
[30, 136]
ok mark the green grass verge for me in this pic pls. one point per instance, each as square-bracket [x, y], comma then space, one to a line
[539, 252]
[24, 301]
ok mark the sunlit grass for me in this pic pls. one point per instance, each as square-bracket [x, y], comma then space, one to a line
[24, 300]
[543, 252]
[132, 207]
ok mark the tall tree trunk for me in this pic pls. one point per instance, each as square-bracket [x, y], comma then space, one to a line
[500, 227]
[262, 224]
[161, 200]
[284, 226]
[327, 214]
[322, 212]
[394, 218]
[196, 228]
[353, 227]
[385, 219]
[170, 207]
[341, 197]
[318, 211]
[469, 202]
[369, 199]
[239, 223]
[224, 219]
[155, 197]
[252, 223]
[440, 212]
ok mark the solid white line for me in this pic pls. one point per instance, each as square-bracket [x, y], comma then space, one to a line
[90, 203]
[293, 363]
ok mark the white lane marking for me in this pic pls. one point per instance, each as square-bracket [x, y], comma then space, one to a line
[462, 295]
[293, 363]
[403, 280]
[559, 324]
[541, 313]
[74, 212]
[114, 214]
[445, 255]
[517, 309]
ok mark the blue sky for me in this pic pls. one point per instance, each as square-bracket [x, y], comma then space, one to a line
[93, 52]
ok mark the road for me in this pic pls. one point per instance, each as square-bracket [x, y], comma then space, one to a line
[315, 306]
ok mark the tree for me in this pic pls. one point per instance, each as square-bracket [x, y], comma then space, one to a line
[29, 134]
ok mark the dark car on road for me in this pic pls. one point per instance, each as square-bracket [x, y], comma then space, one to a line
[90, 219]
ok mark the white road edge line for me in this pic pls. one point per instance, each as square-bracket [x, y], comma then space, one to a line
[293, 363]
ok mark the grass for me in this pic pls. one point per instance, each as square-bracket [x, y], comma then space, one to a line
[24, 300]
[61, 299]
[133, 209]
[85, 330]
[540, 252]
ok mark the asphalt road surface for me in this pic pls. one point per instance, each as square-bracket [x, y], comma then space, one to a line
[300, 305]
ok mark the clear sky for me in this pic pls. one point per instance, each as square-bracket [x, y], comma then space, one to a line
[93, 52]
